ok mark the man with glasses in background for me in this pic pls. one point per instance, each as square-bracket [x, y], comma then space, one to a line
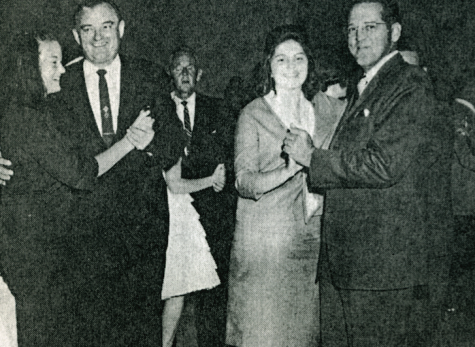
[387, 217]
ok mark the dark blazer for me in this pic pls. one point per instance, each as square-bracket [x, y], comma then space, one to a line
[387, 209]
[122, 212]
[211, 144]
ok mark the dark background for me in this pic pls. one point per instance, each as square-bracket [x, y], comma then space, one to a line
[228, 35]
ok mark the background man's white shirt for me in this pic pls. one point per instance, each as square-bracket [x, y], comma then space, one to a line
[191, 101]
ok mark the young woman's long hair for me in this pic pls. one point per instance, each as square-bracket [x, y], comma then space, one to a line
[25, 85]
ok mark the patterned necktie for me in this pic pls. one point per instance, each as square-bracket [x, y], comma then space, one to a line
[186, 118]
[106, 114]
[187, 125]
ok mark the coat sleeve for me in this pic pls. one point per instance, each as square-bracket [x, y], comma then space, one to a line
[169, 142]
[251, 181]
[34, 134]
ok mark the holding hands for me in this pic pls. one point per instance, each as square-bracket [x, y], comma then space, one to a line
[179, 185]
[299, 146]
[5, 174]
[219, 178]
[141, 132]
[463, 128]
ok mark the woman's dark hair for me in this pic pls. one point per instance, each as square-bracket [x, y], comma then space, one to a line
[265, 83]
[25, 84]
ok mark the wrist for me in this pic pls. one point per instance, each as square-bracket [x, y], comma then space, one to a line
[127, 143]
[308, 158]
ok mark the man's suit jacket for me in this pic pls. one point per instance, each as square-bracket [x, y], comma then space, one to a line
[122, 211]
[387, 214]
[211, 144]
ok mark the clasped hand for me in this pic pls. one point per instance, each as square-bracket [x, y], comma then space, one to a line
[298, 145]
[141, 132]
[219, 178]
[463, 128]
[5, 173]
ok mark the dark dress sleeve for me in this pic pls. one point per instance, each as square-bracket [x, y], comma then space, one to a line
[41, 154]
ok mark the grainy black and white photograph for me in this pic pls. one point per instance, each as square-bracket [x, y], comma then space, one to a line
[241, 173]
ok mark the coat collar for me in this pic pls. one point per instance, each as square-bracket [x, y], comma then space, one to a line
[356, 103]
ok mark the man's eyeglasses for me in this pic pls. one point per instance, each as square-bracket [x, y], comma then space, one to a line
[368, 28]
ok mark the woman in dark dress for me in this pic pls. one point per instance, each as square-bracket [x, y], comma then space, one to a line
[35, 205]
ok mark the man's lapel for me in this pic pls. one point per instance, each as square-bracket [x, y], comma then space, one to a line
[356, 104]
[82, 106]
[127, 97]
[200, 116]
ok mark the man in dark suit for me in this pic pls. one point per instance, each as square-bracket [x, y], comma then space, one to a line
[122, 225]
[206, 142]
[387, 215]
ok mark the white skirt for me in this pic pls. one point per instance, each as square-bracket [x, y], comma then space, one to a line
[189, 264]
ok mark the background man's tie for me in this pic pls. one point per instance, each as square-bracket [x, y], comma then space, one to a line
[187, 125]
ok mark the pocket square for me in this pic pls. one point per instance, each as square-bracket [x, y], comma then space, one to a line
[213, 132]
[366, 112]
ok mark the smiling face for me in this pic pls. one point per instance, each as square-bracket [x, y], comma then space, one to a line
[99, 32]
[289, 65]
[370, 46]
[50, 65]
[185, 75]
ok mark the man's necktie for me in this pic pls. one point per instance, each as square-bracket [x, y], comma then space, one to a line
[362, 85]
[187, 125]
[106, 114]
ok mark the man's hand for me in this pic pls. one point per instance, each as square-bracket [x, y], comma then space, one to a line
[141, 132]
[219, 178]
[463, 128]
[5, 174]
[299, 146]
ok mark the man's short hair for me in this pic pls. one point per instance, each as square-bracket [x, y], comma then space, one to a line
[390, 13]
[179, 52]
[91, 4]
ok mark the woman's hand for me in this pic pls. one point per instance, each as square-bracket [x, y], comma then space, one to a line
[141, 132]
[219, 178]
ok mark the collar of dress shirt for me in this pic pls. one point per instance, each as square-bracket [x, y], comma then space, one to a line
[113, 69]
[113, 83]
[191, 101]
[374, 70]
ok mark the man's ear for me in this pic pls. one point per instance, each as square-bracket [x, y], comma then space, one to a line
[76, 36]
[121, 28]
[396, 30]
[198, 75]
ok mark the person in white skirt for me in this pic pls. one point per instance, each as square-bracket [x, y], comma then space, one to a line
[189, 267]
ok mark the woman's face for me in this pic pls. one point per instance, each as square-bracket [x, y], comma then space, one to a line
[289, 65]
[51, 68]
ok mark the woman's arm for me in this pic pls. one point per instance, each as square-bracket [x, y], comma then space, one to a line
[250, 181]
[138, 136]
[179, 185]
